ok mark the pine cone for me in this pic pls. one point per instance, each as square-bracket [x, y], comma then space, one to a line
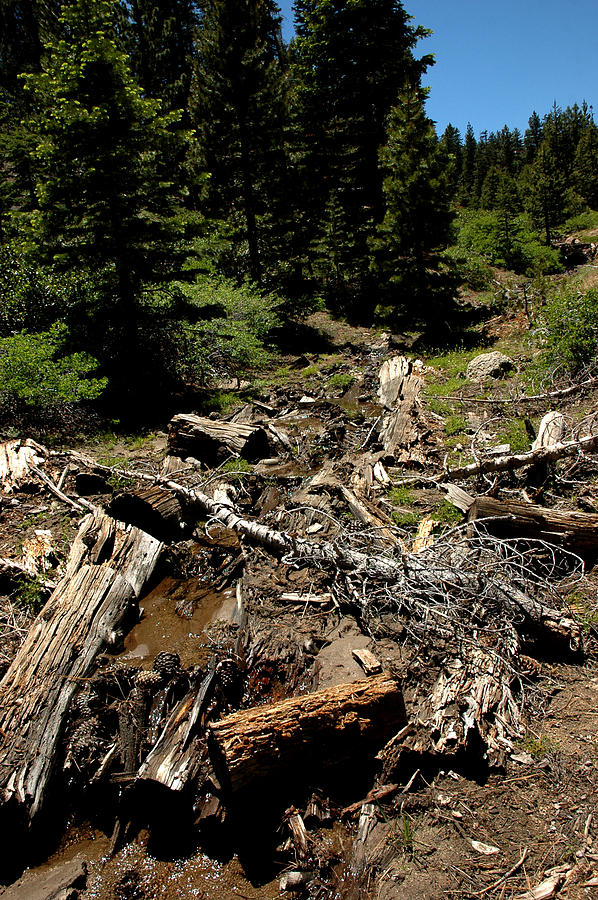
[148, 680]
[167, 664]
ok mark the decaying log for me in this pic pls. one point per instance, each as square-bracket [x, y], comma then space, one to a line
[212, 441]
[400, 387]
[16, 459]
[152, 509]
[107, 568]
[576, 531]
[518, 460]
[551, 430]
[324, 728]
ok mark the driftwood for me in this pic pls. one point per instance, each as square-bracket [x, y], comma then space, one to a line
[322, 728]
[400, 387]
[212, 441]
[577, 531]
[518, 460]
[107, 568]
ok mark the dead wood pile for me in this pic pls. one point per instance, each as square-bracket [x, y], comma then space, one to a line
[459, 609]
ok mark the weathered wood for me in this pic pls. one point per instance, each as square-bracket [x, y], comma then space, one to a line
[107, 568]
[52, 884]
[212, 440]
[16, 459]
[576, 531]
[520, 460]
[152, 509]
[400, 387]
[324, 728]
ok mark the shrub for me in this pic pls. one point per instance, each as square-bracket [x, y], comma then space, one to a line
[213, 327]
[37, 369]
[571, 318]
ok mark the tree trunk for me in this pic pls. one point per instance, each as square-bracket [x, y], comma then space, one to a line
[399, 392]
[325, 728]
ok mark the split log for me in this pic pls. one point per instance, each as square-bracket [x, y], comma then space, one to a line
[576, 531]
[399, 391]
[212, 441]
[152, 509]
[107, 568]
[321, 729]
[520, 460]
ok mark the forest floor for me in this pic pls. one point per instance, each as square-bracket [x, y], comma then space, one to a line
[453, 825]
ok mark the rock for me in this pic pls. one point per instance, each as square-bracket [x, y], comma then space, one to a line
[489, 365]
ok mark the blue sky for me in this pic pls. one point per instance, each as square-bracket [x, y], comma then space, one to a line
[497, 62]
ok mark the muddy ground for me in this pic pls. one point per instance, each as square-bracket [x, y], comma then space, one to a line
[452, 825]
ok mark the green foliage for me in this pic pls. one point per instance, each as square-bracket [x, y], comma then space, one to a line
[571, 319]
[454, 424]
[482, 232]
[447, 514]
[340, 380]
[30, 594]
[515, 434]
[537, 746]
[216, 327]
[38, 369]
[402, 497]
[470, 268]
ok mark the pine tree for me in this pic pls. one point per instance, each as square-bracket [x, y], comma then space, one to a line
[466, 185]
[163, 49]
[417, 195]
[103, 205]
[533, 137]
[451, 140]
[543, 187]
[348, 62]
[238, 111]
[585, 171]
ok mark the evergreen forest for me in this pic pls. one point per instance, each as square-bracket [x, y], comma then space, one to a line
[180, 187]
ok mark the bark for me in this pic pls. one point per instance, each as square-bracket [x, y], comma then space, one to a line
[327, 727]
[576, 531]
[152, 509]
[212, 441]
[107, 568]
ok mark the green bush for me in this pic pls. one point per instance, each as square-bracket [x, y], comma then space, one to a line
[210, 328]
[480, 233]
[36, 369]
[571, 320]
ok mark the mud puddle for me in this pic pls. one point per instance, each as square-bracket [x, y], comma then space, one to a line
[174, 618]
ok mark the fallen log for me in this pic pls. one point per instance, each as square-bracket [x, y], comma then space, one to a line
[16, 459]
[324, 728]
[212, 441]
[518, 460]
[107, 568]
[576, 531]
[152, 509]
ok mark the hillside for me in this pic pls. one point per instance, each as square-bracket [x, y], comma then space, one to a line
[303, 538]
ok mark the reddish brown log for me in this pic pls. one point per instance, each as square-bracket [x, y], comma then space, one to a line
[327, 727]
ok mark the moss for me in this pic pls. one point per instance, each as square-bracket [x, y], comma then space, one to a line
[447, 514]
[454, 424]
